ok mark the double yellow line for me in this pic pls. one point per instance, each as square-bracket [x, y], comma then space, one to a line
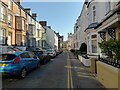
[70, 79]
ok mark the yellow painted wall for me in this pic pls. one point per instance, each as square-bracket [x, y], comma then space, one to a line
[23, 13]
[117, 33]
[108, 75]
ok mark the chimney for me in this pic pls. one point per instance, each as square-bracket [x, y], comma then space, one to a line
[34, 15]
[18, 1]
[43, 23]
[28, 10]
[49, 27]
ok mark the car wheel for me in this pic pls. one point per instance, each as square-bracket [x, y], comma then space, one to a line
[44, 62]
[23, 73]
[38, 65]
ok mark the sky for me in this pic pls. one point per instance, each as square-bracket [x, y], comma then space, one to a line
[61, 16]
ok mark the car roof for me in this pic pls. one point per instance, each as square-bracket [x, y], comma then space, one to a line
[16, 53]
[37, 51]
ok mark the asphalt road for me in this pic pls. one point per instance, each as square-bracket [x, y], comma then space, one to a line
[64, 71]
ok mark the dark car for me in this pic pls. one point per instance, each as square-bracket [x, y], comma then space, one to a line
[43, 56]
[18, 63]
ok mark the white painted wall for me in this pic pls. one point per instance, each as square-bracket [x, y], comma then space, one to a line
[51, 38]
[55, 41]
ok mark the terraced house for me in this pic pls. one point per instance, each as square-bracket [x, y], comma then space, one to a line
[19, 26]
[13, 23]
[7, 21]
[98, 20]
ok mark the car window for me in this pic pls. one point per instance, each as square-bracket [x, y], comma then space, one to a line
[24, 55]
[31, 54]
[7, 57]
[38, 53]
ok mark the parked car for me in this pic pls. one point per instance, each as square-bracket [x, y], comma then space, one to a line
[43, 56]
[18, 63]
[10, 49]
[51, 52]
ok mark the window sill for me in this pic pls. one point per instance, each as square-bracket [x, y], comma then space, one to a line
[108, 13]
[10, 27]
[3, 21]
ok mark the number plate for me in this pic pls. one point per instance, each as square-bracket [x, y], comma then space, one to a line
[3, 65]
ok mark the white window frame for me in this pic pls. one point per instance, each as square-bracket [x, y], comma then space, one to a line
[93, 39]
[19, 11]
[3, 13]
[94, 13]
[18, 39]
[3, 36]
[23, 24]
[18, 23]
[10, 4]
[108, 6]
[10, 20]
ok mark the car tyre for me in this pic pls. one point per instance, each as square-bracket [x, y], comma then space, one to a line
[23, 73]
[38, 65]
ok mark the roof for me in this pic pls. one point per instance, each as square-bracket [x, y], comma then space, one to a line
[92, 25]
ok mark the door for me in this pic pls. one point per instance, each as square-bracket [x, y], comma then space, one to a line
[26, 60]
[34, 60]
[9, 38]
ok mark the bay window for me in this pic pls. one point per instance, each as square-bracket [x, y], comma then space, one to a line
[10, 17]
[3, 13]
[3, 36]
[94, 43]
[18, 23]
[18, 39]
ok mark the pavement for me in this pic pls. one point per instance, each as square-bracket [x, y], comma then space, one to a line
[64, 71]
[82, 77]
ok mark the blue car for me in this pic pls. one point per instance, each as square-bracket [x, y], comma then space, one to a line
[18, 63]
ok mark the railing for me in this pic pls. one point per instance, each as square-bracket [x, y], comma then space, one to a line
[114, 63]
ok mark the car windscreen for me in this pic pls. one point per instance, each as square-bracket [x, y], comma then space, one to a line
[38, 53]
[7, 57]
[49, 50]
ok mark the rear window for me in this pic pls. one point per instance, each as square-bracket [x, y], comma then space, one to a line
[50, 50]
[7, 57]
[38, 53]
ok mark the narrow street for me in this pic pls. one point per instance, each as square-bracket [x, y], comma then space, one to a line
[64, 71]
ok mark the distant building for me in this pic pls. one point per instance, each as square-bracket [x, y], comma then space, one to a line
[60, 41]
[51, 38]
[98, 21]
[69, 42]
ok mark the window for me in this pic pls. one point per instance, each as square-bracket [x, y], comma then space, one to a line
[7, 57]
[24, 55]
[19, 11]
[31, 55]
[23, 40]
[108, 7]
[23, 24]
[18, 39]
[94, 43]
[3, 36]
[94, 46]
[10, 4]
[18, 23]
[38, 33]
[10, 20]
[94, 13]
[3, 13]
[94, 36]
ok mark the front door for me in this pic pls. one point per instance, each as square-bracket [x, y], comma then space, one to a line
[9, 38]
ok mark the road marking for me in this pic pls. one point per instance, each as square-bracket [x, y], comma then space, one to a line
[70, 79]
